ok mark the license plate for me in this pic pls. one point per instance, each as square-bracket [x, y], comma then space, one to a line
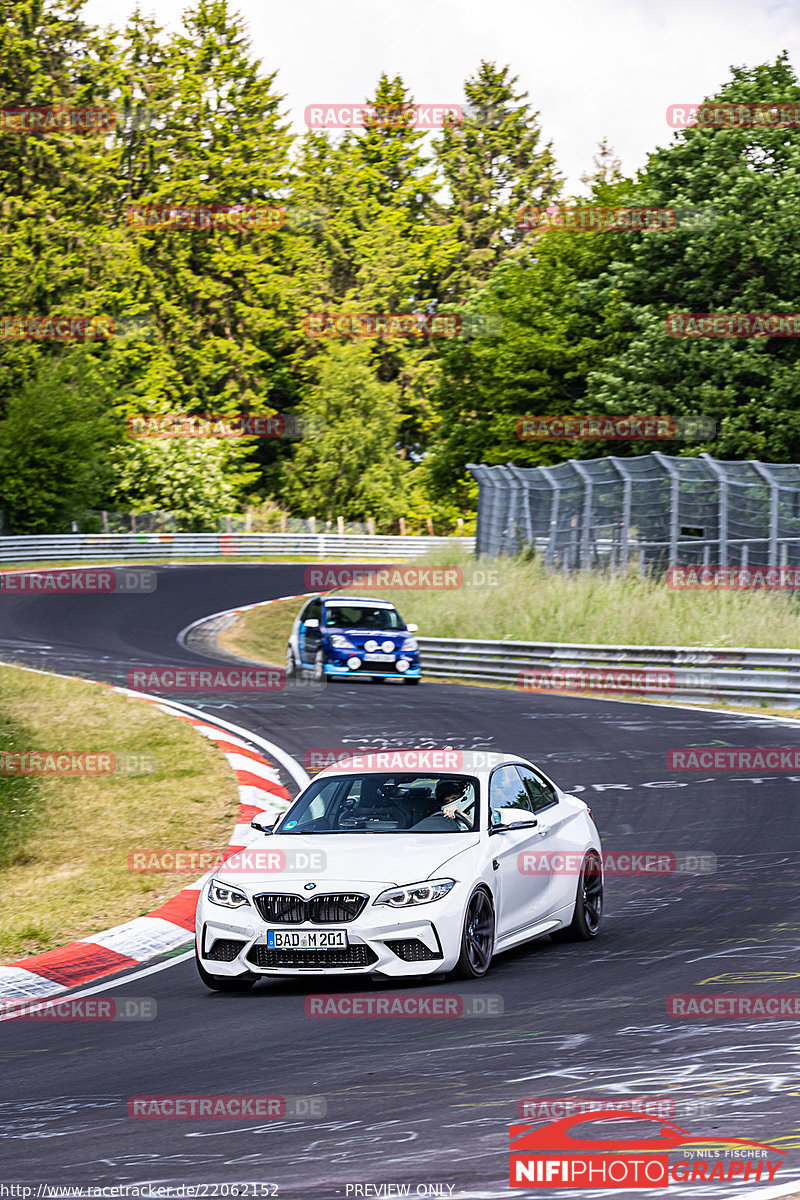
[380, 657]
[307, 939]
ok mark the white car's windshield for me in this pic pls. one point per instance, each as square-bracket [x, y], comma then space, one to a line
[352, 616]
[386, 803]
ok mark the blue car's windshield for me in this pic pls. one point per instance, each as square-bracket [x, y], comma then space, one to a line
[359, 616]
[385, 803]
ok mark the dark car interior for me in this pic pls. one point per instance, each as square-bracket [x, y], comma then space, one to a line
[377, 803]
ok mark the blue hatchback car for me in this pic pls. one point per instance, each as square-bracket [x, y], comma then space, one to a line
[352, 635]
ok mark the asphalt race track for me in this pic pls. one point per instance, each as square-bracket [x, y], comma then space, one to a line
[429, 1101]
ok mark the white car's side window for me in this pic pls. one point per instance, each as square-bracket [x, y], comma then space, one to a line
[506, 792]
[540, 792]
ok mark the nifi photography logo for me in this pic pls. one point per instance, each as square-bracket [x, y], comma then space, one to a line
[550, 1156]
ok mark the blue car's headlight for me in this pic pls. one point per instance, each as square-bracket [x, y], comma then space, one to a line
[416, 893]
[341, 643]
[410, 645]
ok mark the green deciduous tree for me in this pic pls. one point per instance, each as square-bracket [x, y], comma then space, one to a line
[349, 464]
[54, 444]
[747, 182]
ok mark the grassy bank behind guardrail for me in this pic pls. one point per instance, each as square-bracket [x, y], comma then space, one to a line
[519, 601]
[65, 839]
[531, 605]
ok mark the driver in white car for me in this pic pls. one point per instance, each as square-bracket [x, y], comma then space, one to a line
[446, 788]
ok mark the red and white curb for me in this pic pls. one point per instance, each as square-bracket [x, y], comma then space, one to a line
[171, 925]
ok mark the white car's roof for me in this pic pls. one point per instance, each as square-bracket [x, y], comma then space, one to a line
[358, 600]
[440, 761]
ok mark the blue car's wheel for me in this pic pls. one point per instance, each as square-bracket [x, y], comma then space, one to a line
[319, 667]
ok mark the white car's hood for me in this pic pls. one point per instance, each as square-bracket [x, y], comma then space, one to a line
[353, 858]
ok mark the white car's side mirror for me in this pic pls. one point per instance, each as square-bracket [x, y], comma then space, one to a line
[412, 628]
[312, 624]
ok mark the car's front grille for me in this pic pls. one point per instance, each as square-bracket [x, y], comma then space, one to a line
[312, 960]
[412, 950]
[225, 950]
[335, 908]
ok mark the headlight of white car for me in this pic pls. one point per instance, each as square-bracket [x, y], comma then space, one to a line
[410, 644]
[341, 643]
[416, 893]
[226, 896]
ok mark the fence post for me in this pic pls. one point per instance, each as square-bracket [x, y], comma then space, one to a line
[722, 480]
[764, 472]
[552, 530]
[523, 491]
[627, 496]
[586, 520]
[402, 522]
[674, 504]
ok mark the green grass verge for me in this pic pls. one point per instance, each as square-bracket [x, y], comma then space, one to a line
[262, 633]
[65, 840]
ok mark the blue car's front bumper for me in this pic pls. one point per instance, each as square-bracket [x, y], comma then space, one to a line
[336, 664]
[374, 671]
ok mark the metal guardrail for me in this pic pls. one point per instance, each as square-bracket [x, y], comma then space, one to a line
[128, 546]
[742, 675]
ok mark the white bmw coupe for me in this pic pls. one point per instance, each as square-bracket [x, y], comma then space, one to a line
[404, 863]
